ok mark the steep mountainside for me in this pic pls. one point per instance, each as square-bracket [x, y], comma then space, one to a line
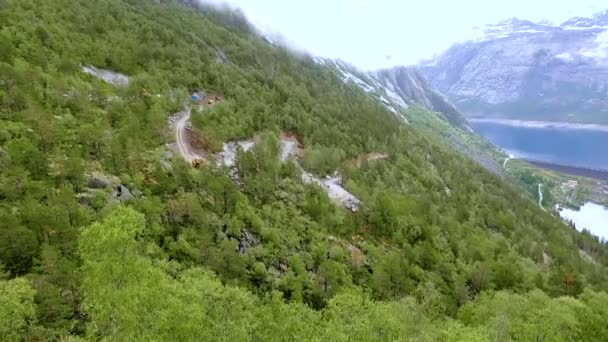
[403, 90]
[409, 83]
[133, 208]
[524, 70]
[398, 89]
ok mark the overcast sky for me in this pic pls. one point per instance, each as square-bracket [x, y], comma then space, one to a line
[374, 34]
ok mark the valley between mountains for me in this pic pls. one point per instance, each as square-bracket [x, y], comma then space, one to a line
[312, 201]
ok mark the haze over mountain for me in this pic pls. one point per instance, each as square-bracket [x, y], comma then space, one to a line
[532, 71]
[386, 33]
[517, 69]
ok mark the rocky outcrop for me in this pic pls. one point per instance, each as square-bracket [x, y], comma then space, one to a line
[411, 85]
[220, 57]
[98, 181]
[247, 241]
[122, 194]
[108, 187]
[109, 76]
[402, 87]
[397, 89]
[525, 70]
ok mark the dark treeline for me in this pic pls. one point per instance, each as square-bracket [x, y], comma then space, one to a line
[573, 170]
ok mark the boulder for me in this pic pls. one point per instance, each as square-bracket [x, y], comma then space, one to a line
[98, 181]
[122, 193]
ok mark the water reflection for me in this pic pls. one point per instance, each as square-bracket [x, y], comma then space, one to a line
[591, 216]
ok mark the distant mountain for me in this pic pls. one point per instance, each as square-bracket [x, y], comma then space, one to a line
[409, 83]
[120, 222]
[402, 89]
[524, 70]
[398, 88]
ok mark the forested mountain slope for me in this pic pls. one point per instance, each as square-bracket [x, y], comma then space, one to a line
[105, 233]
[397, 88]
[402, 90]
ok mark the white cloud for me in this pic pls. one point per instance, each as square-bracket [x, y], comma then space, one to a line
[364, 32]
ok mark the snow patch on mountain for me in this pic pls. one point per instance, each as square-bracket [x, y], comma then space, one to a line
[599, 20]
[349, 77]
[510, 27]
[579, 28]
[522, 68]
[367, 82]
[516, 27]
[599, 52]
[565, 56]
[390, 92]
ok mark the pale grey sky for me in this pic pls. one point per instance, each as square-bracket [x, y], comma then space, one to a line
[374, 34]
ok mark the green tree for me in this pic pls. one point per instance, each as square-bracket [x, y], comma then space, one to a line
[17, 309]
[6, 48]
[330, 276]
[391, 276]
[18, 245]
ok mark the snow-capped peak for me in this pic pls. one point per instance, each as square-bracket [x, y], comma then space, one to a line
[512, 26]
[598, 20]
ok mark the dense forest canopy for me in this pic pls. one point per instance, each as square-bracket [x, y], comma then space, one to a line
[440, 249]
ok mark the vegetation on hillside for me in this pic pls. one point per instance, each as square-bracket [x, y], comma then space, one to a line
[440, 250]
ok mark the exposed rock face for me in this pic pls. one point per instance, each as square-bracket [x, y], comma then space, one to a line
[247, 241]
[109, 76]
[220, 57]
[410, 84]
[525, 70]
[402, 87]
[397, 88]
[357, 259]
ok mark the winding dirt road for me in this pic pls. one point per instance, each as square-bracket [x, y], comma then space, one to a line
[540, 196]
[289, 150]
[504, 165]
[181, 138]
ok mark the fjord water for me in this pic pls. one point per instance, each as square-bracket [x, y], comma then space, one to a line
[583, 148]
[591, 216]
[564, 146]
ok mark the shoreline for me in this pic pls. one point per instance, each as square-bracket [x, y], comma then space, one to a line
[590, 216]
[542, 124]
[597, 174]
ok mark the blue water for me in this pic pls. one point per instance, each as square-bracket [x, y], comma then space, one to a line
[591, 216]
[571, 147]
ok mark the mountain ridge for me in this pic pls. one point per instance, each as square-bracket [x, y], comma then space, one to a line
[106, 233]
[397, 88]
[524, 70]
